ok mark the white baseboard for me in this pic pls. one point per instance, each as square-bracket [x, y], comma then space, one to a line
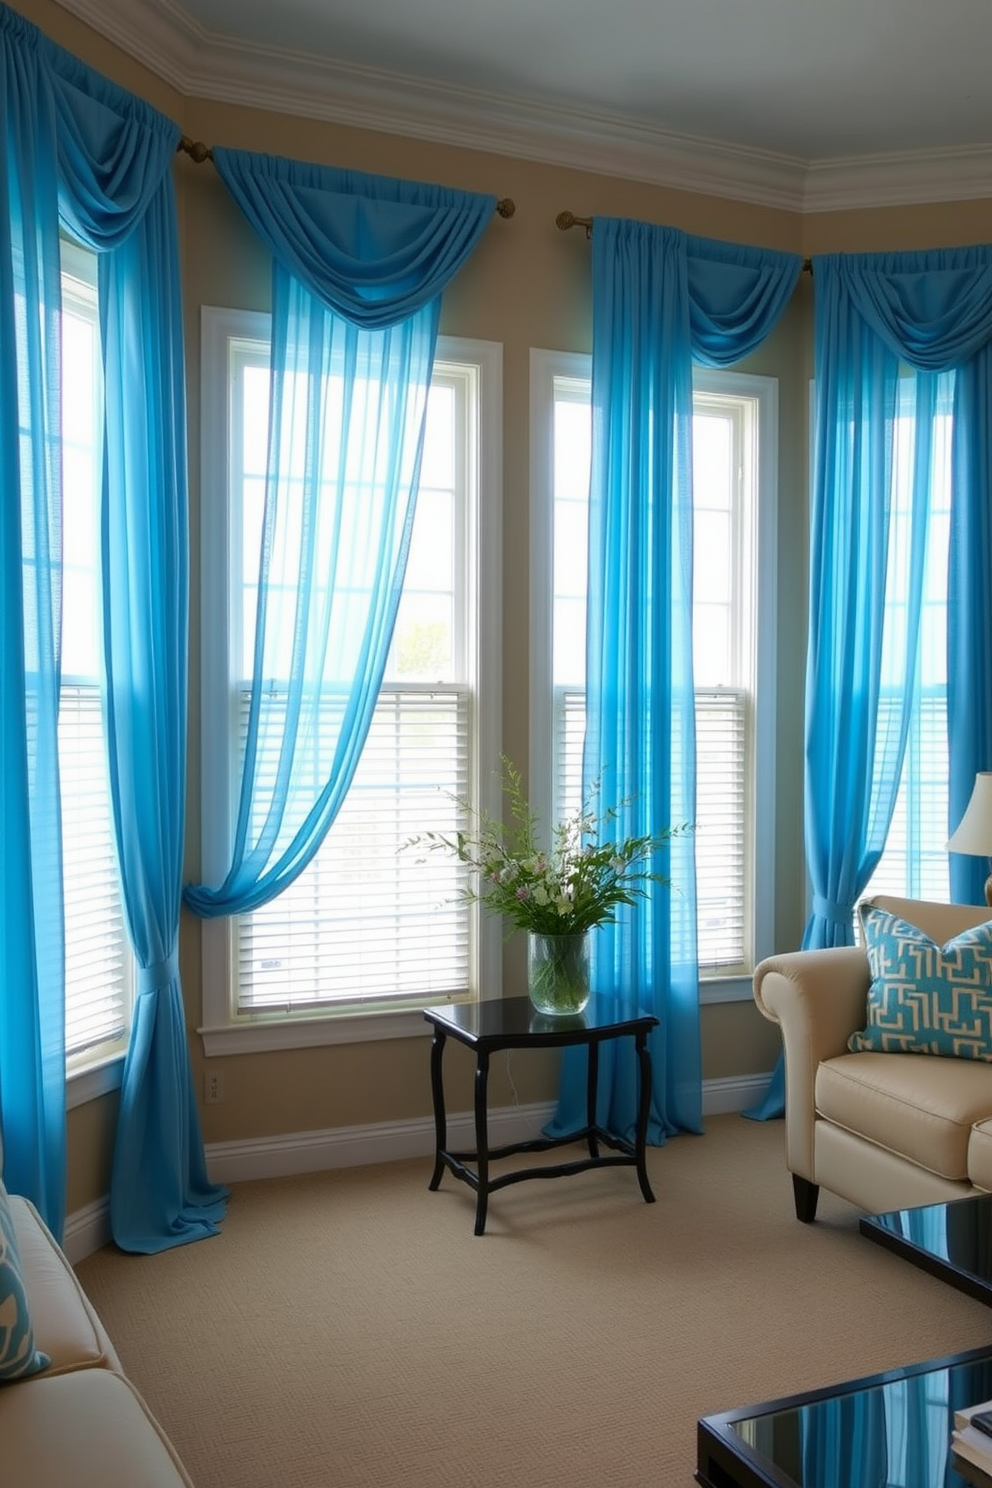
[87, 1230]
[353, 1146]
[377, 1142]
[388, 1141]
[733, 1093]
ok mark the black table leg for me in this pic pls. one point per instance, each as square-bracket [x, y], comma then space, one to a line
[644, 1106]
[482, 1139]
[592, 1089]
[440, 1119]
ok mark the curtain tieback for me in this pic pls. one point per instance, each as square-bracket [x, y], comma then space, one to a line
[828, 909]
[159, 974]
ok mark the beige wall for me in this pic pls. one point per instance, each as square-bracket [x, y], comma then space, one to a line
[528, 285]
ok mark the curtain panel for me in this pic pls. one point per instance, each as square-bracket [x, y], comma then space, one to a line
[660, 299]
[876, 314]
[111, 187]
[359, 266]
[32, 1018]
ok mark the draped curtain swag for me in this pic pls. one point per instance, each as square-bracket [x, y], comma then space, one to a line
[660, 298]
[359, 266]
[373, 249]
[874, 313]
[80, 149]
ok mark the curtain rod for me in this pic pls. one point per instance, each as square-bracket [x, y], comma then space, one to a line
[200, 152]
[566, 220]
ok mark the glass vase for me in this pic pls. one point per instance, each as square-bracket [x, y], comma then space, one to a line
[558, 973]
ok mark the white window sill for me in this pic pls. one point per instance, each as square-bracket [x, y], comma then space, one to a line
[95, 1080]
[253, 1037]
[726, 989]
[305, 1033]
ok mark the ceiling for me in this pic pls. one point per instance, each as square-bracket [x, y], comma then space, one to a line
[815, 80]
[794, 86]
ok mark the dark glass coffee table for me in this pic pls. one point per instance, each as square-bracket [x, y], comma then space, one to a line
[952, 1241]
[889, 1430]
[513, 1023]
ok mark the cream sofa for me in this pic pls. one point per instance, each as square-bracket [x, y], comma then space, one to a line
[884, 1131]
[78, 1423]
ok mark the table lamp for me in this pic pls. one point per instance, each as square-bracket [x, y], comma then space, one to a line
[973, 833]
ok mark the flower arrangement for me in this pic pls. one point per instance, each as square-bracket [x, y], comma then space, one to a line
[577, 883]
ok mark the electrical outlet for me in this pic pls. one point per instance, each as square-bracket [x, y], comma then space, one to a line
[213, 1087]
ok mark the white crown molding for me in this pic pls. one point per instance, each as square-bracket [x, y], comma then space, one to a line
[899, 180]
[199, 63]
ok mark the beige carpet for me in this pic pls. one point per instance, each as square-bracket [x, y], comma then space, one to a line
[348, 1328]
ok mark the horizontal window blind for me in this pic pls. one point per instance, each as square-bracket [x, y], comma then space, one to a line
[721, 827]
[914, 864]
[569, 740]
[369, 921]
[97, 969]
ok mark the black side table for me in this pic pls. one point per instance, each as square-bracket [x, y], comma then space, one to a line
[514, 1023]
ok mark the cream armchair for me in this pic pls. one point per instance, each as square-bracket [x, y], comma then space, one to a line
[77, 1422]
[884, 1131]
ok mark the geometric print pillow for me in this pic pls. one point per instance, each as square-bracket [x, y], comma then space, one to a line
[925, 998]
[18, 1355]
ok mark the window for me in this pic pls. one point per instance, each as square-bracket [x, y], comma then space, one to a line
[734, 439]
[99, 964]
[914, 863]
[367, 928]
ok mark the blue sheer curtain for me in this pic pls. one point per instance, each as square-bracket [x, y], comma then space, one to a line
[969, 615]
[117, 196]
[32, 1023]
[660, 298]
[875, 313]
[80, 149]
[359, 264]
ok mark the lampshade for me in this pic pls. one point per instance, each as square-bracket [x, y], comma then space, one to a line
[973, 833]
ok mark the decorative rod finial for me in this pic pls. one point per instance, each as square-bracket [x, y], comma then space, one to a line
[506, 207]
[564, 221]
[196, 149]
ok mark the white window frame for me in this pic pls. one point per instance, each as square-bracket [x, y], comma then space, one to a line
[223, 1030]
[96, 1070]
[913, 881]
[545, 367]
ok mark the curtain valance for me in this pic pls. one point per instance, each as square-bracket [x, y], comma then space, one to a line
[736, 295]
[721, 299]
[373, 249]
[114, 151]
[932, 308]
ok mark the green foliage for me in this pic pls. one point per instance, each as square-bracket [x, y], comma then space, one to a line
[578, 883]
[423, 649]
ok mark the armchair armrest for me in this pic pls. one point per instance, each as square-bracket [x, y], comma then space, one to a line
[819, 999]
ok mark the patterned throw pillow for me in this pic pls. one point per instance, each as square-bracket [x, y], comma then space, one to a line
[925, 998]
[18, 1355]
